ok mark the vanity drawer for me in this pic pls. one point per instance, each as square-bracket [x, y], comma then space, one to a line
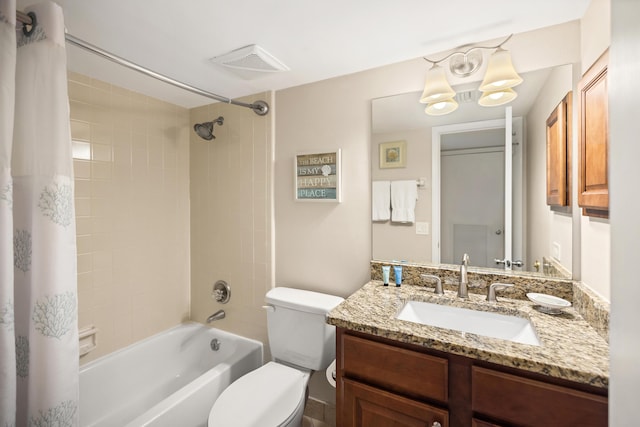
[396, 369]
[368, 406]
[526, 402]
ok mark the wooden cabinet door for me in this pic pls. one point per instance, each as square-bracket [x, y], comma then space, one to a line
[412, 374]
[479, 423]
[526, 402]
[558, 148]
[366, 406]
[593, 169]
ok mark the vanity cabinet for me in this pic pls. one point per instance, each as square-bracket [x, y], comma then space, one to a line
[593, 167]
[364, 405]
[382, 383]
[479, 423]
[519, 400]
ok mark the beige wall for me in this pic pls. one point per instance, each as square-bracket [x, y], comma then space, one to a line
[544, 225]
[328, 247]
[392, 240]
[131, 160]
[231, 216]
[596, 233]
[596, 32]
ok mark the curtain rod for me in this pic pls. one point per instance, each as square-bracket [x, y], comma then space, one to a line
[261, 108]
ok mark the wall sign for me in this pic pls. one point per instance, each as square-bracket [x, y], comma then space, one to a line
[318, 176]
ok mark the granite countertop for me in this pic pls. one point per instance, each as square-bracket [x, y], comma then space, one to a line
[570, 348]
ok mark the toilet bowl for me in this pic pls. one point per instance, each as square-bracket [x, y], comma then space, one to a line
[273, 395]
[330, 373]
[301, 341]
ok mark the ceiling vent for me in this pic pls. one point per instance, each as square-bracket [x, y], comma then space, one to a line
[250, 58]
[467, 96]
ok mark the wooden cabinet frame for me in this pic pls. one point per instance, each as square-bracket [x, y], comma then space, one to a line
[593, 166]
[559, 154]
[382, 383]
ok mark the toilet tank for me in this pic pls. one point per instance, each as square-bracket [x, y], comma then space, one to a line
[298, 333]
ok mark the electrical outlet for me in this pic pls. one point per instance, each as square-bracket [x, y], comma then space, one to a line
[422, 228]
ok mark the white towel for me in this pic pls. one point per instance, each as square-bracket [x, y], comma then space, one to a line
[380, 200]
[403, 201]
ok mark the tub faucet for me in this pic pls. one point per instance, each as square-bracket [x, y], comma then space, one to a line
[462, 285]
[218, 315]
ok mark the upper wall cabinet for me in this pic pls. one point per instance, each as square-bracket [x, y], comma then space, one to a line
[558, 154]
[593, 167]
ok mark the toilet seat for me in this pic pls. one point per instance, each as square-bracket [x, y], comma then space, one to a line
[268, 396]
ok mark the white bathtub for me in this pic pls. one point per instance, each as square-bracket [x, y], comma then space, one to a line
[170, 379]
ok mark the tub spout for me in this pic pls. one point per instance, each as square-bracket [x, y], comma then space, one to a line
[218, 315]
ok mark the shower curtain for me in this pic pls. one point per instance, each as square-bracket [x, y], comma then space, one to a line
[38, 284]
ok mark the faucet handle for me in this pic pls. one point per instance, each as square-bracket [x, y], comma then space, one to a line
[438, 289]
[491, 292]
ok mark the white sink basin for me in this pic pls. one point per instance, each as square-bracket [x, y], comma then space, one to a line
[510, 328]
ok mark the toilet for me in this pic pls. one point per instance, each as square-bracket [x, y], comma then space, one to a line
[301, 342]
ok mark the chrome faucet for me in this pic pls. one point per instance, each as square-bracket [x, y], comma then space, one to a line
[218, 315]
[462, 285]
[438, 290]
[491, 291]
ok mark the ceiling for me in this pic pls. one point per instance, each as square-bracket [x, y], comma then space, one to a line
[317, 40]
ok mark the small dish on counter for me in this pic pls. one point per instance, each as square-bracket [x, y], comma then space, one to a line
[548, 303]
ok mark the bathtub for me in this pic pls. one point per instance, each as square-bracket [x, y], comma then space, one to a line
[170, 379]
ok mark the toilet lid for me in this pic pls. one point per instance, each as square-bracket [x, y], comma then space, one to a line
[264, 397]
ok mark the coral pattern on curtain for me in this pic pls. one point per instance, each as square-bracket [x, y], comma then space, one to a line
[38, 288]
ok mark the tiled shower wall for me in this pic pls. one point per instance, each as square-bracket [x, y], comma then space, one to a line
[131, 164]
[231, 216]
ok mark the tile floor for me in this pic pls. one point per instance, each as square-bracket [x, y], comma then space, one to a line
[312, 422]
[319, 414]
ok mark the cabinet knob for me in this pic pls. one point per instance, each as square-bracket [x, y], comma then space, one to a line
[436, 424]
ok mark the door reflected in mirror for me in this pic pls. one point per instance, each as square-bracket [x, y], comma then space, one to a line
[464, 176]
[472, 196]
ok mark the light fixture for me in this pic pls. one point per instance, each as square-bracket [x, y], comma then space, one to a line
[440, 108]
[437, 87]
[464, 64]
[497, 97]
[500, 72]
[496, 86]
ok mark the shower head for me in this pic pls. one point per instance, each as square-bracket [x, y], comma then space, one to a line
[205, 130]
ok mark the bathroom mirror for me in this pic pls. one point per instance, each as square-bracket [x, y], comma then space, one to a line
[472, 140]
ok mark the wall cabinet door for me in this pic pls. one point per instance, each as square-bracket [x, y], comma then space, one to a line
[366, 406]
[558, 154]
[593, 168]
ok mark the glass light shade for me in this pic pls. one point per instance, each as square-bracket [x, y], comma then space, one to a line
[500, 72]
[436, 86]
[440, 108]
[497, 97]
